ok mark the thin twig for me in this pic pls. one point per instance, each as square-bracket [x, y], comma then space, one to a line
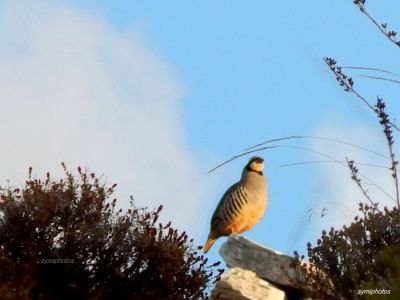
[237, 156]
[354, 176]
[332, 203]
[330, 161]
[370, 181]
[382, 27]
[368, 69]
[380, 78]
[344, 163]
[347, 83]
[304, 149]
[266, 148]
[387, 129]
[319, 138]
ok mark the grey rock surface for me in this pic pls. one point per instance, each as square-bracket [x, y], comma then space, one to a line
[240, 252]
[239, 284]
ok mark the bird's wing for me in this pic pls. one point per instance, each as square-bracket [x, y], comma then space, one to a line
[216, 216]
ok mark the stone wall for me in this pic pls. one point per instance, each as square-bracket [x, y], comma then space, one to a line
[256, 272]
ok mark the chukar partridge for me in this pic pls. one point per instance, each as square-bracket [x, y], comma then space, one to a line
[242, 205]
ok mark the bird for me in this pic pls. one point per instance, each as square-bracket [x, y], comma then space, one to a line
[242, 205]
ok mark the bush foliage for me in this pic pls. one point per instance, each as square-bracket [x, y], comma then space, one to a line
[362, 260]
[65, 239]
[362, 256]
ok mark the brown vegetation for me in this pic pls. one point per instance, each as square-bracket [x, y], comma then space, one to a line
[364, 256]
[65, 239]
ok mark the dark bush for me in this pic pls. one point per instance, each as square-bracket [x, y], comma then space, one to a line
[65, 239]
[360, 261]
[364, 255]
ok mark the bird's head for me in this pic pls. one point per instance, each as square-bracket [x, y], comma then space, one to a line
[255, 164]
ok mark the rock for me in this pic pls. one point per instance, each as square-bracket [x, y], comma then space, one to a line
[239, 252]
[239, 284]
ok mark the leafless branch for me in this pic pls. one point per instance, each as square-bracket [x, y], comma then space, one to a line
[390, 34]
[380, 78]
[330, 158]
[347, 83]
[368, 69]
[295, 137]
[330, 161]
[354, 176]
[387, 130]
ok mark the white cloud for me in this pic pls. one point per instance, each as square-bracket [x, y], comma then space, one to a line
[334, 188]
[74, 89]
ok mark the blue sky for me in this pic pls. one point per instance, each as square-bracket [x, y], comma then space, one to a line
[164, 91]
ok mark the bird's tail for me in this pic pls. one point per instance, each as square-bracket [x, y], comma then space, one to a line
[210, 241]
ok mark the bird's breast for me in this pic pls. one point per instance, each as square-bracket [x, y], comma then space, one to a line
[252, 212]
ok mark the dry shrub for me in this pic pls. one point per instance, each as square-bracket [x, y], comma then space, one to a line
[65, 239]
[364, 255]
[362, 260]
